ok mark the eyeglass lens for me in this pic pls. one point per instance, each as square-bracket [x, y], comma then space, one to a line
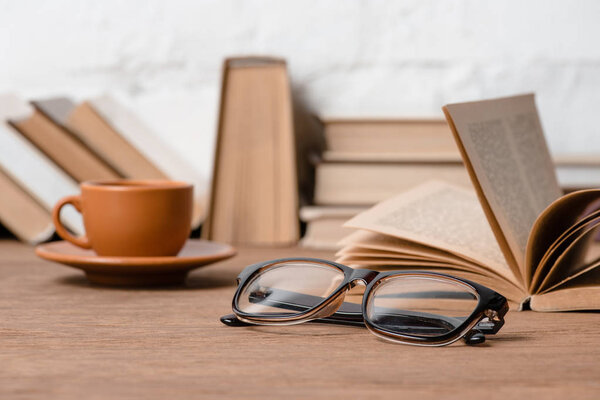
[288, 288]
[419, 306]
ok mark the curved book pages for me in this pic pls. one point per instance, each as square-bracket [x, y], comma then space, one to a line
[515, 232]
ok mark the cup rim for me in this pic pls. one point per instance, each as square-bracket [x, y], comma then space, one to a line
[134, 184]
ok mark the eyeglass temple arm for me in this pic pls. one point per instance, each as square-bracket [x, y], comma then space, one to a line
[349, 313]
[232, 320]
[471, 338]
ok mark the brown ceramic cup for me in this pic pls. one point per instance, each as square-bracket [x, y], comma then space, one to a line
[130, 218]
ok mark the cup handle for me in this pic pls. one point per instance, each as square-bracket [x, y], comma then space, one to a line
[75, 201]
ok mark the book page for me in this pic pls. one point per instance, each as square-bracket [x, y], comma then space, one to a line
[441, 215]
[365, 251]
[379, 257]
[504, 149]
[359, 251]
[370, 241]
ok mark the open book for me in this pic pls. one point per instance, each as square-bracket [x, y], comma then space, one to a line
[513, 233]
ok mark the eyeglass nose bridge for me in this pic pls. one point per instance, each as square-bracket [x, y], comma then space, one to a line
[363, 276]
[333, 304]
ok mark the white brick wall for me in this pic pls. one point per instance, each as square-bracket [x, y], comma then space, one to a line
[378, 57]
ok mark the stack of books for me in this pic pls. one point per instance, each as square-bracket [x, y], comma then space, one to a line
[47, 147]
[369, 160]
[577, 171]
[513, 230]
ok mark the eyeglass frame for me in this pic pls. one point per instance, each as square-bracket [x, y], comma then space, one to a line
[491, 305]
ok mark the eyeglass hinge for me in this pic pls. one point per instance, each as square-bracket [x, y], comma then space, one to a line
[492, 315]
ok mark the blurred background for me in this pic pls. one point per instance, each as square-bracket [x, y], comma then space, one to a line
[390, 58]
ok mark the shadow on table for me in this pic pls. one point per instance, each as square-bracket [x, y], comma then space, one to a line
[308, 329]
[195, 281]
[331, 330]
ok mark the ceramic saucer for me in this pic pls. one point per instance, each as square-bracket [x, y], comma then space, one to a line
[136, 271]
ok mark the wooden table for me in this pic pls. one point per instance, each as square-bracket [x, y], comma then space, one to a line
[63, 338]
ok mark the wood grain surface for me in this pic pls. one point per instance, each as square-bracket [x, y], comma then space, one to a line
[61, 337]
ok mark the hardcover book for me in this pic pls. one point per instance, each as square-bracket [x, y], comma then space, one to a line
[254, 197]
[31, 183]
[63, 147]
[85, 123]
[324, 225]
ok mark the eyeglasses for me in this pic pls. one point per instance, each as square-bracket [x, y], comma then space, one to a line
[419, 308]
